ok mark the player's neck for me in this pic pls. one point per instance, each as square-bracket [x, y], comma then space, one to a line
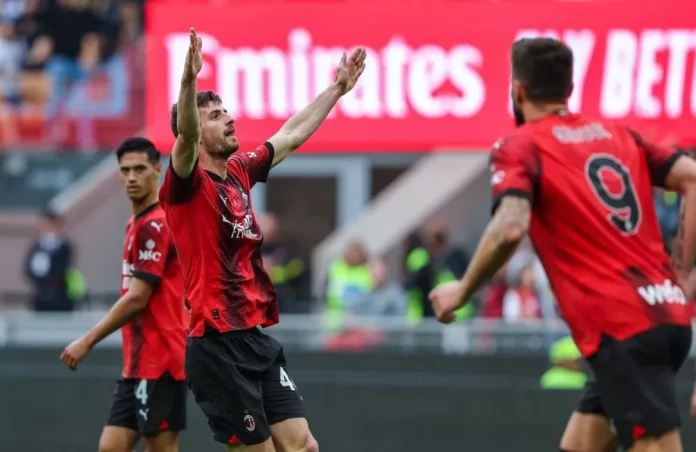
[215, 166]
[536, 112]
[140, 206]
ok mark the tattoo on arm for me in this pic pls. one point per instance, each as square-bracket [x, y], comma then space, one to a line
[511, 220]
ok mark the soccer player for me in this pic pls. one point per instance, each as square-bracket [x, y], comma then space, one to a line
[150, 400]
[237, 373]
[582, 188]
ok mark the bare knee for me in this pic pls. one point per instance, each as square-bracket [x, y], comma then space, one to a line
[117, 439]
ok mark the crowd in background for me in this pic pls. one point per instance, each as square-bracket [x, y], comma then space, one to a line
[49, 49]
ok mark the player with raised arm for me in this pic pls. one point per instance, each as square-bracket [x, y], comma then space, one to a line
[582, 189]
[150, 399]
[237, 373]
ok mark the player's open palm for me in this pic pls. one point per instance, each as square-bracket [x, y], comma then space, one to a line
[194, 58]
[445, 298]
[350, 68]
[74, 353]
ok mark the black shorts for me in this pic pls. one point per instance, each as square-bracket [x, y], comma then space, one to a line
[149, 406]
[241, 384]
[634, 382]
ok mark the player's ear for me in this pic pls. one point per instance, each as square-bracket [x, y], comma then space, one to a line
[158, 169]
[518, 94]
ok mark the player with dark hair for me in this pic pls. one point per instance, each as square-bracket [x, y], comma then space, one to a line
[582, 188]
[150, 399]
[237, 373]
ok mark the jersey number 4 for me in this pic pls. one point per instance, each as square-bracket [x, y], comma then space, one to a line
[623, 204]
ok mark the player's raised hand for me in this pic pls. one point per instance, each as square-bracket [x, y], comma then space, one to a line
[74, 353]
[350, 68]
[194, 59]
[445, 299]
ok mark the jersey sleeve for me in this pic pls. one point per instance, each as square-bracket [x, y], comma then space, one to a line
[660, 159]
[177, 189]
[515, 168]
[256, 164]
[152, 245]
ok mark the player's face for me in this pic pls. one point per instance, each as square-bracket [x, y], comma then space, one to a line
[517, 96]
[138, 175]
[218, 137]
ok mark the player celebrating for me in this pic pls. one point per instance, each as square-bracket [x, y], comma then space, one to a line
[150, 400]
[583, 191]
[236, 372]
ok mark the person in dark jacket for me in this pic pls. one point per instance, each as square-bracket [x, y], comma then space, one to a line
[47, 266]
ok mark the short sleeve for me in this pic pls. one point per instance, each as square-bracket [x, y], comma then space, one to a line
[660, 159]
[515, 168]
[152, 245]
[177, 189]
[256, 163]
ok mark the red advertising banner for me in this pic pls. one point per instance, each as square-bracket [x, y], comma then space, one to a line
[436, 77]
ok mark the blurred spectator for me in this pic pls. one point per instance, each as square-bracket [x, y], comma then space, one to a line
[492, 305]
[286, 269]
[523, 258]
[348, 281]
[667, 209]
[433, 263]
[70, 45]
[566, 371]
[47, 266]
[387, 298]
[520, 301]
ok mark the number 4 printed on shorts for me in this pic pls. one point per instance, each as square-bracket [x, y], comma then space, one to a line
[141, 392]
[286, 381]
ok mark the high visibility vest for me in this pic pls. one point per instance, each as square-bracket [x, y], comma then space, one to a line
[416, 260]
[562, 378]
[343, 279]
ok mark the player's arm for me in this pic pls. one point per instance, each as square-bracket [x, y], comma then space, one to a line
[682, 178]
[304, 123]
[515, 170]
[185, 151]
[674, 170]
[123, 311]
[503, 234]
[130, 304]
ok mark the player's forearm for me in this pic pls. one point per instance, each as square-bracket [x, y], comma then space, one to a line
[490, 256]
[188, 120]
[683, 251]
[305, 122]
[119, 314]
[500, 240]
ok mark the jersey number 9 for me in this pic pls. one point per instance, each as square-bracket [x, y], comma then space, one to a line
[624, 207]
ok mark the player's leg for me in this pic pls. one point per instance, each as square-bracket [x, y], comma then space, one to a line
[636, 378]
[224, 373]
[121, 431]
[588, 429]
[285, 410]
[161, 408]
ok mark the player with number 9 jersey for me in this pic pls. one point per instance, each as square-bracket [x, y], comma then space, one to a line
[583, 190]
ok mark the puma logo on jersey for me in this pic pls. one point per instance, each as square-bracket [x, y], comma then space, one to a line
[157, 226]
[667, 292]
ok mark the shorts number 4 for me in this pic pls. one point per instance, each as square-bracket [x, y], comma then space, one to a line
[286, 381]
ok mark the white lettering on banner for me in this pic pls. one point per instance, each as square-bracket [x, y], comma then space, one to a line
[632, 73]
[667, 292]
[582, 43]
[271, 82]
[643, 74]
